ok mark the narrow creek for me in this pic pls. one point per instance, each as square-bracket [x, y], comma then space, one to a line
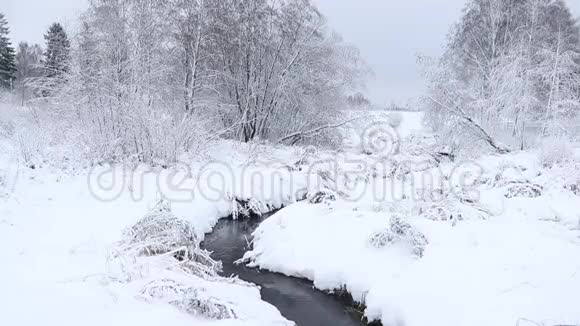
[296, 298]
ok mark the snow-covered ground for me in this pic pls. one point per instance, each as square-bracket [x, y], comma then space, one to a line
[490, 242]
[501, 249]
[59, 231]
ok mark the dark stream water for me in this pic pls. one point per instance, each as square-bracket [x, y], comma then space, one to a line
[296, 298]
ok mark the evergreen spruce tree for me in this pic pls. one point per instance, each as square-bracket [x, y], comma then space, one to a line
[7, 55]
[56, 56]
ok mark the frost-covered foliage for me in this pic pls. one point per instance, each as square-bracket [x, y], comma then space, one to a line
[515, 180]
[322, 196]
[56, 61]
[245, 208]
[563, 175]
[453, 209]
[507, 173]
[555, 150]
[7, 57]
[163, 243]
[28, 66]
[44, 138]
[160, 233]
[400, 230]
[148, 81]
[509, 75]
[529, 190]
[187, 298]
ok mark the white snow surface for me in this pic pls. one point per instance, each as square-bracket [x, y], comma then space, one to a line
[515, 261]
[498, 261]
[57, 237]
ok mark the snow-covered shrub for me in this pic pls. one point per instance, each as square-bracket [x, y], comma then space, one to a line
[322, 196]
[507, 174]
[305, 158]
[513, 177]
[454, 209]
[400, 230]
[160, 233]
[189, 299]
[246, 208]
[31, 148]
[58, 132]
[45, 137]
[401, 169]
[554, 150]
[573, 187]
[560, 176]
[529, 190]
[402, 207]
[160, 256]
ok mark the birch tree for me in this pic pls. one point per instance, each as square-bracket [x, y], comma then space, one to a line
[28, 66]
[149, 79]
[504, 71]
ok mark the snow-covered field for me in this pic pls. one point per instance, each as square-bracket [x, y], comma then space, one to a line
[498, 246]
[59, 231]
[502, 249]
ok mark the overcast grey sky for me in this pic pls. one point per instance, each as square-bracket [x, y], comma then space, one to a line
[389, 33]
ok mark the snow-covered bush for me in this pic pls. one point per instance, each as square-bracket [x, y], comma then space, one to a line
[515, 178]
[160, 257]
[507, 173]
[573, 187]
[529, 190]
[322, 196]
[246, 208]
[400, 230]
[160, 233]
[32, 147]
[454, 208]
[554, 150]
[306, 156]
[187, 298]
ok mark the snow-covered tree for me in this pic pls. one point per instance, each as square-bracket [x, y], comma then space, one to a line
[56, 56]
[508, 73]
[7, 56]
[282, 71]
[148, 78]
[28, 65]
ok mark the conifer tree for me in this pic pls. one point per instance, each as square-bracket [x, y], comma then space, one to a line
[56, 56]
[7, 55]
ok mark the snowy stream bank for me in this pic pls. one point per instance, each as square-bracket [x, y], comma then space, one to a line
[296, 298]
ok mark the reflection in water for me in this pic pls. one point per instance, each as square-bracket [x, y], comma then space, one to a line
[296, 298]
